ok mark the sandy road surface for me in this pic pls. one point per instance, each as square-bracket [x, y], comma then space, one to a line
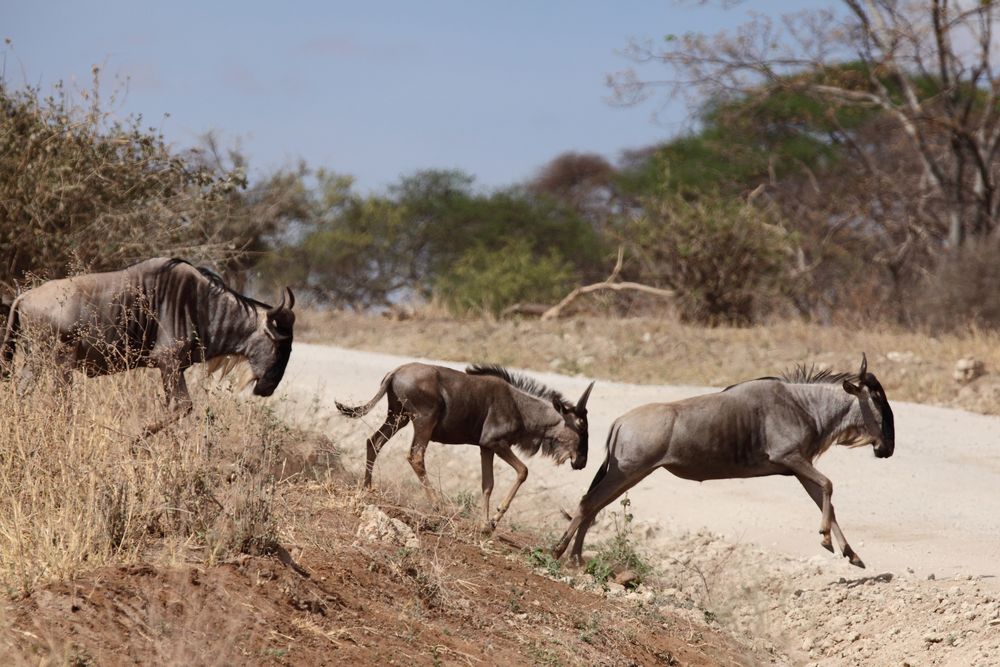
[933, 507]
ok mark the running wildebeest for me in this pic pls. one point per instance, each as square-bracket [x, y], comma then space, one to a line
[486, 406]
[162, 313]
[768, 426]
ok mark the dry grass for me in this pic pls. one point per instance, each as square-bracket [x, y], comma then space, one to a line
[912, 366]
[80, 490]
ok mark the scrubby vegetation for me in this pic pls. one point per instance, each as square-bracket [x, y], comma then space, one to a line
[82, 489]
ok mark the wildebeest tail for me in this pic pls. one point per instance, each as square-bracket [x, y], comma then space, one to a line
[9, 342]
[362, 410]
[603, 470]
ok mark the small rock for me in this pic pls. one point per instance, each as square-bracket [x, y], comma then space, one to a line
[626, 577]
[377, 526]
[615, 590]
[838, 622]
[968, 369]
[933, 638]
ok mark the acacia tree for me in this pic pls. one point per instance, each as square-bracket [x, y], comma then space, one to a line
[927, 68]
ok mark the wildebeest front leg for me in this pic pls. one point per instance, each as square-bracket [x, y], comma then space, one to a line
[504, 452]
[815, 492]
[820, 489]
[179, 402]
[486, 459]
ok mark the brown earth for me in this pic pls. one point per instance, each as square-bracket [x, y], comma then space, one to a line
[456, 599]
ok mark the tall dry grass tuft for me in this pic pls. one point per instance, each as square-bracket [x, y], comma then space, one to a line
[79, 489]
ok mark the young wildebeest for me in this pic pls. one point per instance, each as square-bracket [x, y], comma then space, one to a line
[769, 426]
[486, 406]
[162, 313]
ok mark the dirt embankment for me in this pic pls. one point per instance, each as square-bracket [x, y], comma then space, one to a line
[449, 597]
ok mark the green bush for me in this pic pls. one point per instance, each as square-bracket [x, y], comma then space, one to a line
[490, 279]
[726, 260]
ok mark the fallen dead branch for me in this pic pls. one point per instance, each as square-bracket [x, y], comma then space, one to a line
[611, 283]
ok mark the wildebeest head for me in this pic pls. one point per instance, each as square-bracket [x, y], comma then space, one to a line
[574, 438]
[270, 345]
[875, 410]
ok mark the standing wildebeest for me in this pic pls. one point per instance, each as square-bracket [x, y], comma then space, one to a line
[162, 313]
[769, 426]
[486, 406]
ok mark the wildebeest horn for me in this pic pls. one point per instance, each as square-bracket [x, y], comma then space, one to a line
[864, 367]
[286, 295]
[582, 403]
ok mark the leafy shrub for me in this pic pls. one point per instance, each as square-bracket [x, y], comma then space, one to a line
[619, 553]
[726, 260]
[490, 279]
[543, 558]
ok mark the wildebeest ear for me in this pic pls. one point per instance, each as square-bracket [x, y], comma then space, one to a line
[558, 405]
[850, 388]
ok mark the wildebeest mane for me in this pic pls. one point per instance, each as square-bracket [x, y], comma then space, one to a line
[216, 284]
[524, 383]
[802, 374]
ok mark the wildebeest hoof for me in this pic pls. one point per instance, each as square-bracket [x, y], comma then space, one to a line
[856, 561]
[828, 546]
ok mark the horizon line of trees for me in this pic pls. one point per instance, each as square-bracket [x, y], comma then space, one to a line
[831, 189]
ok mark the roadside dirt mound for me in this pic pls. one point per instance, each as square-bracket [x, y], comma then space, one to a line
[815, 611]
[451, 600]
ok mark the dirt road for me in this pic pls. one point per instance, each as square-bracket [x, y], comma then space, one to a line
[933, 507]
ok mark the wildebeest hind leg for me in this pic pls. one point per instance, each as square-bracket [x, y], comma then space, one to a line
[393, 422]
[611, 486]
[422, 430]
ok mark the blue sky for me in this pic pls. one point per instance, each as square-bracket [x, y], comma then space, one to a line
[371, 88]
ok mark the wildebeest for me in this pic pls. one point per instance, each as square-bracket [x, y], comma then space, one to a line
[768, 426]
[487, 406]
[162, 313]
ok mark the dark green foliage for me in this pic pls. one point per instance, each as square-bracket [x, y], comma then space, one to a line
[434, 234]
[490, 279]
[748, 139]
